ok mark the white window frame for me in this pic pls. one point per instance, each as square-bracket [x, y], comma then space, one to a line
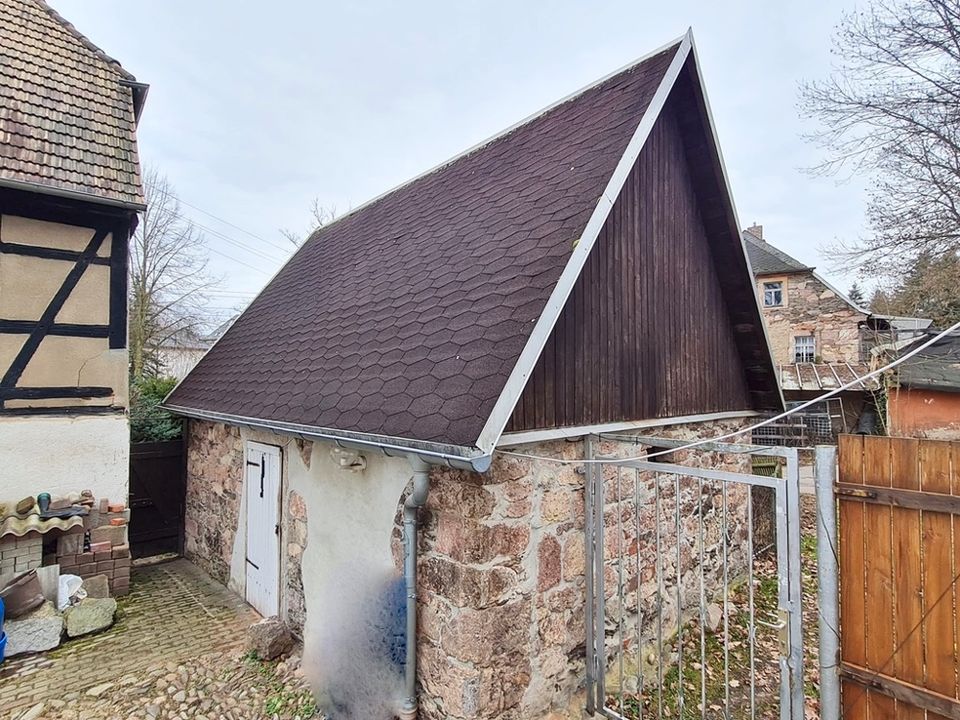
[780, 287]
[807, 344]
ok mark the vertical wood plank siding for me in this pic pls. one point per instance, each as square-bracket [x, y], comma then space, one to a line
[646, 332]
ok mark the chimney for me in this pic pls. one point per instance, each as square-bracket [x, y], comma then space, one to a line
[756, 231]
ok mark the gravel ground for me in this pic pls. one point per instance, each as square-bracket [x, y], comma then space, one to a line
[218, 686]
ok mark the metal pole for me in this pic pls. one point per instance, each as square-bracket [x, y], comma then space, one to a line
[828, 574]
[589, 500]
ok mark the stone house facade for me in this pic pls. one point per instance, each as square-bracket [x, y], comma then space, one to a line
[808, 321]
[355, 420]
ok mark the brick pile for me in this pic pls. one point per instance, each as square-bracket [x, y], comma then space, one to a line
[100, 547]
[21, 554]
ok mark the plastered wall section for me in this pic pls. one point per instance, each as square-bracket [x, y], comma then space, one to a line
[811, 308]
[60, 455]
[924, 413]
[28, 284]
[334, 520]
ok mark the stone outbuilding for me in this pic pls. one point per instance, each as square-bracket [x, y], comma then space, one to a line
[581, 272]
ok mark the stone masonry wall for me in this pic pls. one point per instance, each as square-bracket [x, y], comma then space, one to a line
[811, 308]
[502, 586]
[214, 490]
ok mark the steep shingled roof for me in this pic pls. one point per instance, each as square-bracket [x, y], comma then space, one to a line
[415, 319]
[66, 109]
[765, 259]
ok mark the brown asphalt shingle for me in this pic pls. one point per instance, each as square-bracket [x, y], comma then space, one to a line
[66, 122]
[405, 318]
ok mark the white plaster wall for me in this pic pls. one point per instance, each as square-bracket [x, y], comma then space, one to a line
[350, 520]
[59, 455]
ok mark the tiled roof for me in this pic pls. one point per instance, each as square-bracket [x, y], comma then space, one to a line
[765, 259]
[405, 317]
[66, 120]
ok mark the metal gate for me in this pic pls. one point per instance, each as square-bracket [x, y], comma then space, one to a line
[686, 617]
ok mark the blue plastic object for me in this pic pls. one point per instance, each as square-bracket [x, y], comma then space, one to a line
[3, 635]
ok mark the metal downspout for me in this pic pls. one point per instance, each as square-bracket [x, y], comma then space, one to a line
[416, 499]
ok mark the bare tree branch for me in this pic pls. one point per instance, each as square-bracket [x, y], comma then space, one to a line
[890, 111]
[168, 276]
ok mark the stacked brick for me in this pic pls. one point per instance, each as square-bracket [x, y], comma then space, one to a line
[21, 554]
[101, 547]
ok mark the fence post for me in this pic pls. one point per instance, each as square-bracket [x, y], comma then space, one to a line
[828, 579]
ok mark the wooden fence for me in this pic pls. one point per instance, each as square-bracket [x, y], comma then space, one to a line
[899, 565]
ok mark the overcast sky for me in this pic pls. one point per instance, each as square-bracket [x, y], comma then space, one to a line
[256, 108]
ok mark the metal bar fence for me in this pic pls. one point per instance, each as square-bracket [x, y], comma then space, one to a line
[686, 655]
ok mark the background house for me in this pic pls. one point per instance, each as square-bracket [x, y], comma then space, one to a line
[69, 196]
[821, 340]
[564, 278]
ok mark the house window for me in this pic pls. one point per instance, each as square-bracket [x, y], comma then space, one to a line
[773, 294]
[804, 348]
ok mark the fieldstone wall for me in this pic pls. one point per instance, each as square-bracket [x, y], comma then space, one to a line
[296, 535]
[811, 308]
[214, 491]
[502, 586]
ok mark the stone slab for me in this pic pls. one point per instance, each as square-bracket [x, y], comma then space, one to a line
[36, 632]
[90, 615]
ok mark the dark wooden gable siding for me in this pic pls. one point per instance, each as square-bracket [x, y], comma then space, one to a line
[645, 333]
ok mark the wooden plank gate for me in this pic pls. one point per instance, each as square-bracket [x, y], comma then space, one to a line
[157, 497]
[899, 548]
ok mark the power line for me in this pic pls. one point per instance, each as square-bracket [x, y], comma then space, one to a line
[240, 262]
[236, 227]
[237, 243]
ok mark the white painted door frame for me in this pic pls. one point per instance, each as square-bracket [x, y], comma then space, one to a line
[262, 542]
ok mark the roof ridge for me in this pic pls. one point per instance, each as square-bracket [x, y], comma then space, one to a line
[506, 132]
[776, 252]
[84, 40]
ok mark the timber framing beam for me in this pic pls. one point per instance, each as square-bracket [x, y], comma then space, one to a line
[48, 253]
[25, 327]
[62, 410]
[47, 393]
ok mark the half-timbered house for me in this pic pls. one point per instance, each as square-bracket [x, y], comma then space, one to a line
[70, 192]
[579, 273]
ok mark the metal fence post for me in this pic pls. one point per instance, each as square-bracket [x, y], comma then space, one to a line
[828, 580]
[590, 575]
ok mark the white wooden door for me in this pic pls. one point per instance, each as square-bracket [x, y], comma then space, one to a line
[263, 528]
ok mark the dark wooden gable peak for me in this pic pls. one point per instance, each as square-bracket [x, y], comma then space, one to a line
[662, 321]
